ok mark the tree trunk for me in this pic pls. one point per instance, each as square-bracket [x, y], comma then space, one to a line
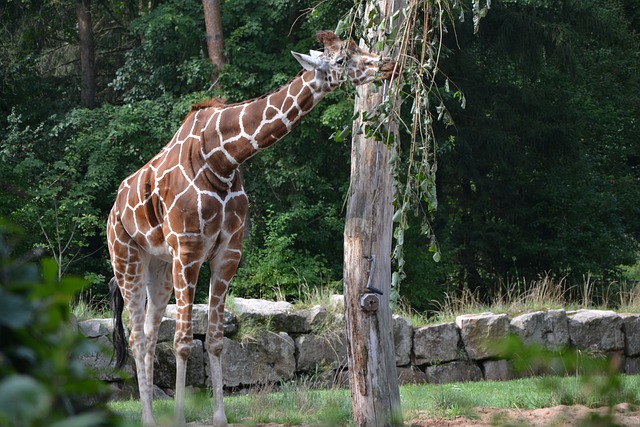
[215, 39]
[367, 274]
[87, 54]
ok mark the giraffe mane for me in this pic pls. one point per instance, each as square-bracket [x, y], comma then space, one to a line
[207, 103]
[212, 102]
[222, 103]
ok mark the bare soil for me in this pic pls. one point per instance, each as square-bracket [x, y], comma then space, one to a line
[623, 415]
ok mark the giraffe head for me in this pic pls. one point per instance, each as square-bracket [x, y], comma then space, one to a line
[344, 60]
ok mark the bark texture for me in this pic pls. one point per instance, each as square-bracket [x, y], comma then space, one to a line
[215, 38]
[87, 54]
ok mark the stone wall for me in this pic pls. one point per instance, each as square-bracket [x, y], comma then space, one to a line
[301, 341]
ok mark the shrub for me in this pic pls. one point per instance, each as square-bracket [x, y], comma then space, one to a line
[42, 380]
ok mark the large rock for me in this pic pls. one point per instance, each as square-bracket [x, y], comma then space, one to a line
[548, 329]
[436, 344]
[98, 358]
[402, 340]
[410, 375]
[262, 311]
[498, 370]
[260, 308]
[319, 353]
[631, 329]
[200, 319]
[597, 331]
[94, 328]
[269, 358]
[98, 354]
[457, 371]
[301, 321]
[631, 365]
[481, 334]
[164, 366]
[230, 324]
[167, 329]
[281, 315]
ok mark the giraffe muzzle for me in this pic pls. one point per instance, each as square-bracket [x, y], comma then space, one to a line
[389, 69]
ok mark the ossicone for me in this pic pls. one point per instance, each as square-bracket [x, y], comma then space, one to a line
[328, 38]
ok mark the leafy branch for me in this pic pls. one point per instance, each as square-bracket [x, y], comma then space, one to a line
[413, 36]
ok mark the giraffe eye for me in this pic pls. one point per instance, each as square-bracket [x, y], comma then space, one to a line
[340, 60]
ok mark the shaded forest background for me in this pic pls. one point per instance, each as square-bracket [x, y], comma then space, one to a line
[539, 175]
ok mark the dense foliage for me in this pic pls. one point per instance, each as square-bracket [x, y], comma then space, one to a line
[544, 170]
[42, 379]
[539, 173]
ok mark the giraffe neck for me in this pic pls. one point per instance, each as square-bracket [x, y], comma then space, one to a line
[234, 133]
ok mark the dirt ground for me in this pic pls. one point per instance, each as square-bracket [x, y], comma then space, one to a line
[558, 416]
[624, 415]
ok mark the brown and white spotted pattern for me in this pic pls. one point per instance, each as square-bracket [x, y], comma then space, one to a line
[187, 206]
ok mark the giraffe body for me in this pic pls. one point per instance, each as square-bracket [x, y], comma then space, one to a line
[187, 206]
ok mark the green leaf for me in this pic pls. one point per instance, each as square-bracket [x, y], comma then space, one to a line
[23, 399]
[395, 277]
[49, 270]
[72, 284]
[15, 312]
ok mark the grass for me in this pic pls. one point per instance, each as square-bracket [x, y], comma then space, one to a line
[87, 307]
[520, 297]
[530, 393]
[296, 404]
[292, 405]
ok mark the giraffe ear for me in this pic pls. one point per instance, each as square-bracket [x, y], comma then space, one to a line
[308, 62]
[316, 54]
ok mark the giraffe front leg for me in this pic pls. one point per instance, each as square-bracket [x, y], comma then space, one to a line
[214, 343]
[185, 277]
[223, 267]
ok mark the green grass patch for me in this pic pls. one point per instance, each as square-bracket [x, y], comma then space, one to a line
[294, 405]
[449, 400]
[87, 307]
[290, 405]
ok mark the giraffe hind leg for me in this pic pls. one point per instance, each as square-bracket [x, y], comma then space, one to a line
[159, 287]
[130, 276]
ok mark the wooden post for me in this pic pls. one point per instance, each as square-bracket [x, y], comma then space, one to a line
[367, 276]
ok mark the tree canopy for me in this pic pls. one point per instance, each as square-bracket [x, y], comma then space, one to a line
[537, 174]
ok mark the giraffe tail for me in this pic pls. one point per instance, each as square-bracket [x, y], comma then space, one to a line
[117, 307]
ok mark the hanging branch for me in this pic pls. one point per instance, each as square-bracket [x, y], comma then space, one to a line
[415, 102]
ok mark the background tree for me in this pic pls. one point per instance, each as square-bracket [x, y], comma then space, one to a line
[539, 173]
[87, 54]
[530, 184]
[215, 39]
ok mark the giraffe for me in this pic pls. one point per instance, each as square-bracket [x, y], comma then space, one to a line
[187, 206]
